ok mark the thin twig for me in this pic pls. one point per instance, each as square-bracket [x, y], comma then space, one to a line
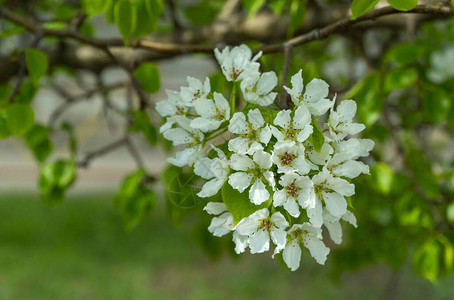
[102, 151]
[287, 57]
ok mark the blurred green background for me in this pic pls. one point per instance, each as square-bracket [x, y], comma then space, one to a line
[80, 250]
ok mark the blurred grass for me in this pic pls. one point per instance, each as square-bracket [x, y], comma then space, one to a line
[79, 250]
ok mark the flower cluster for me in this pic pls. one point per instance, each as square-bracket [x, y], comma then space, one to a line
[281, 176]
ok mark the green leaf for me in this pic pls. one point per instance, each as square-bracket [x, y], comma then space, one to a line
[4, 130]
[26, 93]
[148, 76]
[125, 18]
[143, 124]
[93, 7]
[147, 17]
[403, 5]
[367, 95]
[297, 13]
[37, 64]
[450, 213]
[253, 6]
[426, 260]
[404, 54]
[436, 105]
[19, 118]
[54, 179]
[382, 177]
[134, 200]
[317, 138]
[38, 140]
[239, 204]
[361, 7]
[400, 79]
[5, 91]
[200, 14]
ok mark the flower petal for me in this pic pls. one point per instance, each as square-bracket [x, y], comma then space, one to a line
[258, 192]
[240, 181]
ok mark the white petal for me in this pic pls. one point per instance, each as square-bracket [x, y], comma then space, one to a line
[292, 255]
[240, 181]
[302, 117]
[279, 220]
[240, 242]
[202, 168]
[204, 124]
[241, 162]
[238, 123]
[334, 229]
[204, 107]
[211, 187]
[265, 135]
[347, 109]
[315, 214]
[239, 145]
[222, 104]
[283, 119]
[335, 204]
[266, 83]
[178, 136]
[221, 225]
[341, 186]
[255, 118]
[350, 218]
[292, 207]
[166, 108]
[262, 159]
[279, 197]
[259, 242]
[215, 208]
[316, 90]
[317, 249]
[183, 158]
[258, 192]
[320, 107]
[279, 237]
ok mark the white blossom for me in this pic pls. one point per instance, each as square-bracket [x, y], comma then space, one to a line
[171, 106]
[290, 157]
[251, 134]
[215, 170]
[314, 97]
[334, 227]
[340, 122]
[295, 190]
[259, 227]
[195, 90]
[223, 222]
[257, 88]
[212, 113]
[252, 172]
[236, 64]
[297, 129]
[308, 236]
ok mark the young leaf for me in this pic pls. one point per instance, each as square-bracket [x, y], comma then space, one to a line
[54, 179]
[436, 105]
[239, 204]
[38, 141]
[37, 64]
[400, 79]
[93, 7]
[148, 76]
[147, 18]
[19, 118]
[403, 5]
[134, 200]
[317, 138]
[125, 18]
[361, 7]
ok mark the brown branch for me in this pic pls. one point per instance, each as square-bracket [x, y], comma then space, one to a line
[71, 100]
[102, 151]
[440, 9]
